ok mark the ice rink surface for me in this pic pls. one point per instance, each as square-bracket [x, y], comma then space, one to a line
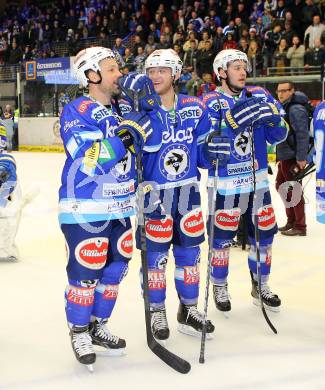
[35, 351]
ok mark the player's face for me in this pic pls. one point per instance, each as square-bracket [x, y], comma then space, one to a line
[237, 74]
[110, 74]
[161, 78]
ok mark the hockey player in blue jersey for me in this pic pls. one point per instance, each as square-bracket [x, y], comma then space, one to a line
[97, 199]
[319, 137]
[237, 109]
[10, 209]
[173, 212]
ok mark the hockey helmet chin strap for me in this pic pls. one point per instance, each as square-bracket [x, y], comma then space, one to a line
[232, 87]
[94, 82]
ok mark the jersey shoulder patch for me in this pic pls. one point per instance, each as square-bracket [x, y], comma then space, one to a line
[81, 104]
[211, 95]
[190, 100]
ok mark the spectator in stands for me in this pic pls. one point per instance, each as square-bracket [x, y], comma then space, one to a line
[218, 40]
[183, 80]
[194, 84]
[296, 54]
[205, 59]
[179, 51]
[315, 56]
[271, 41]
[280, 59]
[205, 38]
[150, 45]
[129, 59]
[119, 47]
[288, 32]
[3, 48]
[239, 27]
[154, 32]
[137, 43]
[314, 32]
[163, 43]
[243, 45]
[8, 113]
[15, 54]
[254, 37]
[255, 57]
[191, 37]
[307, 14]
[242, 13]
[229, 42]
[280, 10]
[139, 59]
[207, 85]
[178, 36]
[165, 24]
[27, 55]
[123, 25]
[190, 56]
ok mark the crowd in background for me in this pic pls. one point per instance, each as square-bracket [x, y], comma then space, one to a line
[273, 33]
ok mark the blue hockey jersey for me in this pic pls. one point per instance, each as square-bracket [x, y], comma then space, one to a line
[319, 136]
[183, 133]
[98, 178]
[236, 177]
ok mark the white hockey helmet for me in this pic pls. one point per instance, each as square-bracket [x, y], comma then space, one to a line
[89, 59]
[167, 58]
[224, 57]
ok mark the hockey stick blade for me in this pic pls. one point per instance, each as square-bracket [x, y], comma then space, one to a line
[268, 320]
[177, 363]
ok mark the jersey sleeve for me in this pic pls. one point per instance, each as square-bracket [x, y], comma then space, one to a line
[85, 142]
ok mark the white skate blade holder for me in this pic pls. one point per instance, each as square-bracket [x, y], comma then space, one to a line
[192, 332]
[109, 352]
[274, 309]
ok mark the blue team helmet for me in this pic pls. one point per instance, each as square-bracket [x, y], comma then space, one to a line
[224, 57]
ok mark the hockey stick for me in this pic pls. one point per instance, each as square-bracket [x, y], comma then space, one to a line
[212, 209]
[172, 360]
[257, 236]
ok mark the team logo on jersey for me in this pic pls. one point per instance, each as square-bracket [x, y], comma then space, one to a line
[122, 169]
[83, 106]
[220, 258]
[125, 244]
[81, 296]
[192, 224]
[266, 217]
[227, 219]
[156, 279]
[175, 162]
[110, 293]
[241, 147]
[191, 275]
[161, 261]
[159, 230]
[92, 253]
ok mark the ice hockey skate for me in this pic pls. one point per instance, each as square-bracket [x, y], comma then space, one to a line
[83, 347]
[159, 324]
[101, 336]
[190, 321]
[221, 298]
[271, 301]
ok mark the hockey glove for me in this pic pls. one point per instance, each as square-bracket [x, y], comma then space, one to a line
[269, 115]
[217, 148]
[134, 131]
[243, 114]
[141, 84]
